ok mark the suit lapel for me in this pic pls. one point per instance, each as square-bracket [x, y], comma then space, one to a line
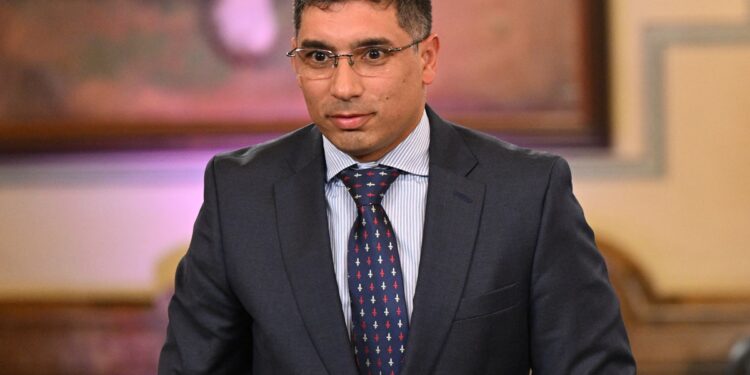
[306, 250]
[454, 205]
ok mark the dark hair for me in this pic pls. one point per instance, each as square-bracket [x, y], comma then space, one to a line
[414, 16]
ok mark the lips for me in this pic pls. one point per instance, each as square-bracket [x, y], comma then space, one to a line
[349, 121]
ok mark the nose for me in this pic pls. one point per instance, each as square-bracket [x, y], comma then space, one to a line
[346, 84]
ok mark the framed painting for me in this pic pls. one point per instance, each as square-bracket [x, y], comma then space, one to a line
[122, 74]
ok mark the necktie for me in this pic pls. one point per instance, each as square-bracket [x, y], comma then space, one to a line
[380, 322]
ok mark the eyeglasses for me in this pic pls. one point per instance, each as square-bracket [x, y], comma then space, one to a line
[367, 61]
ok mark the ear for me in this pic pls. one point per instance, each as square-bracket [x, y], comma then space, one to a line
[294, 61]
[429, 54]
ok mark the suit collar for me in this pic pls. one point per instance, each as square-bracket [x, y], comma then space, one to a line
[447, 147]
[306, 150]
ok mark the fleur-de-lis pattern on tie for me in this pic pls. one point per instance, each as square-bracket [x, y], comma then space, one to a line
[380, 322]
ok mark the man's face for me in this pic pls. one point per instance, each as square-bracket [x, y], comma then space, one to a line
[366, 117]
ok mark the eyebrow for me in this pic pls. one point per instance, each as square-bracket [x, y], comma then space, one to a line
[373, 42]
[312, 43]
[318, 44]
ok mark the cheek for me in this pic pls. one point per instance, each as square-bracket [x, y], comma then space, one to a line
[313, 90]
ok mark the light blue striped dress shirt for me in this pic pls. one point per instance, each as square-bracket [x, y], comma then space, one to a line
[404, 203]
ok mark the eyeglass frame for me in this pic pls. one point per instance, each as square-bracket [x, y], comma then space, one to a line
[350, 56]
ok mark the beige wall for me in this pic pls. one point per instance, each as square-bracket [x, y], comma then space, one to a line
[94, 226]
[686, 225]
[99, 225]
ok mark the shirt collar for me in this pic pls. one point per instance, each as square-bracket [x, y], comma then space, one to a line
[411, 155]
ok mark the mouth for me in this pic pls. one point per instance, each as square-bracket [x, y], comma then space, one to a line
[349, 121]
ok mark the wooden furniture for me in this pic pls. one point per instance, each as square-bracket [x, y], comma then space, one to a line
[81, 338]
[688, 336]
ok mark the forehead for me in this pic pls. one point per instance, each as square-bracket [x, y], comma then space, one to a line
[344, 24]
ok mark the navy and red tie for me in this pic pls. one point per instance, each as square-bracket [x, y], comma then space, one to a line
[380, 322]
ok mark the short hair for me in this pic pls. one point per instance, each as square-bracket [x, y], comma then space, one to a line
[414, 16]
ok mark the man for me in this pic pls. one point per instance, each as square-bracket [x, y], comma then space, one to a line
[466, 255]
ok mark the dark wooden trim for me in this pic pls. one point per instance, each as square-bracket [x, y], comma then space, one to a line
[596, 62]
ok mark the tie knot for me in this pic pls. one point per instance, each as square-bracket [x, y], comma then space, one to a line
[368, 186]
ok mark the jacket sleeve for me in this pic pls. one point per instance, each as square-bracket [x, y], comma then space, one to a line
[575, 321]
[208, 332]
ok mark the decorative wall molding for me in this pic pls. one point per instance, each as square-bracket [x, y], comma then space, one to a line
[656, 41]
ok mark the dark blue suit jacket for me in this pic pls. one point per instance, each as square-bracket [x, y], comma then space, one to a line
[510, 278]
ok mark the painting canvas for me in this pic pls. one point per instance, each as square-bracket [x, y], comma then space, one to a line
[119, 73]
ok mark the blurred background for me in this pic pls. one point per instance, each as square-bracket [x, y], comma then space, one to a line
[110, 110]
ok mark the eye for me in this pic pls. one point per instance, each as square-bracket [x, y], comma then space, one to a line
[317, 56]
[374, 54]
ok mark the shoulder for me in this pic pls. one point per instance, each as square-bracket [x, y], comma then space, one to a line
[484, 145]
[273, 157]
[496, 158]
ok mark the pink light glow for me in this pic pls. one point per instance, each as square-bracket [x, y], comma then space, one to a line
[246, 26]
